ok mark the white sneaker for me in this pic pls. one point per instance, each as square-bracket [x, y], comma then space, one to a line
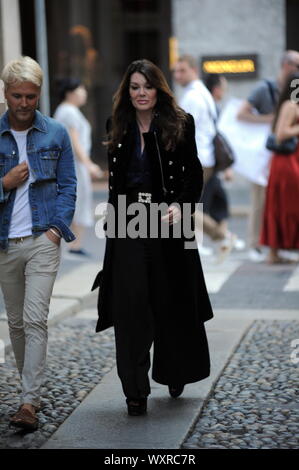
[239, 244]
[289, 255]
[256, 255]
[226, 246]
[205, 251]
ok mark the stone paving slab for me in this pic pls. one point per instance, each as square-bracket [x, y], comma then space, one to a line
[61, 308]
[77, 283]
[258, 286]
[216, 274]
[293, 282]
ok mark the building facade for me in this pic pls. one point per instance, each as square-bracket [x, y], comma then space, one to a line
[228, 28]
[95, 40]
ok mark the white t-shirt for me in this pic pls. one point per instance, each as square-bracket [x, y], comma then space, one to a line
[21, 219]
[198, 101]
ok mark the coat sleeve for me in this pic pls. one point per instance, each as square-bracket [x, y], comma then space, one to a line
[193, 172]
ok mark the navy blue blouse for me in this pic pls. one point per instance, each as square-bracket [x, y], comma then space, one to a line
[139, 171]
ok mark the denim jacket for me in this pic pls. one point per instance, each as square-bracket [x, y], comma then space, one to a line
[52, 194]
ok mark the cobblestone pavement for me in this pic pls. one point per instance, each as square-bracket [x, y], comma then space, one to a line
[255, 403]
[77, 361]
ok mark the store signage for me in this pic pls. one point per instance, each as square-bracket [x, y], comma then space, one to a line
[231, 66]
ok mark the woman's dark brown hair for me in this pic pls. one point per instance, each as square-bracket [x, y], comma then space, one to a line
[286, 94]
[169, 117]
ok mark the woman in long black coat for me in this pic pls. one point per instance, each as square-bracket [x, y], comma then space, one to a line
[152, 289]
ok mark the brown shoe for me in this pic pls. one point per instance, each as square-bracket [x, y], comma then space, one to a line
[24, 419]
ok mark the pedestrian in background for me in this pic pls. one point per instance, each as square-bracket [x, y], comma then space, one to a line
[37, 203]
[259, 108]
[73, 96]
[217, 86]
[280, 229]
[215, 197]
[198, 101]
[152, 289]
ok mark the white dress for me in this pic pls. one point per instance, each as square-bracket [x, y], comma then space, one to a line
[71, 117]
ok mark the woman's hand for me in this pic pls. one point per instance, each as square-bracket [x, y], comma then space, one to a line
[173, 215]
[228, 174]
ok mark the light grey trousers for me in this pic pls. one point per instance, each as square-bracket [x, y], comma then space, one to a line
[27, 274]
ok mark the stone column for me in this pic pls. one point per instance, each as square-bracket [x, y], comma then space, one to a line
[10, 37]
[10, 27]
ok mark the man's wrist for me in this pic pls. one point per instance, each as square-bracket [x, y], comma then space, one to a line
[55, 232]
[4, 184]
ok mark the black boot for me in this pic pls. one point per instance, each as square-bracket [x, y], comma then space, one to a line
[176, 390]
[136, 406]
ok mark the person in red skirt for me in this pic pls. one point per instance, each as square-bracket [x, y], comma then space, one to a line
[280, 228]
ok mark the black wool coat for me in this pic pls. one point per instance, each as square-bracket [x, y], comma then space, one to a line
[181, 177]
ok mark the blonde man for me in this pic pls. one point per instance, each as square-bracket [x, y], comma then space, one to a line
[37, 202]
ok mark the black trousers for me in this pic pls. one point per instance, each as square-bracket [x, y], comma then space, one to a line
[215, 201]
[142, 315]
[137, 278]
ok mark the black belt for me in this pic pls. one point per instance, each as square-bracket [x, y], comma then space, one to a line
[19, 239]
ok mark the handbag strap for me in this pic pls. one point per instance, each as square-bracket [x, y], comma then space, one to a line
[271, 91]
[214, 119]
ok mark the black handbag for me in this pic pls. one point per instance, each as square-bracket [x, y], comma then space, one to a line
[286, 147]
[224, 155]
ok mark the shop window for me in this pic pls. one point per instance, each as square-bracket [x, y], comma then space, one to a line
[136, 6]
[142, 45]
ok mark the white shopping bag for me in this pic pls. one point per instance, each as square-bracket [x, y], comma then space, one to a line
[248, 141]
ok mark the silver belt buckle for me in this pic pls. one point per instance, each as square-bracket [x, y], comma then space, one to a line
[144, 197]
[18, 239]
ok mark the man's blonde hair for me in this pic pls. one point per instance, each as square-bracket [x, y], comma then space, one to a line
[189, 59]
[22, 70]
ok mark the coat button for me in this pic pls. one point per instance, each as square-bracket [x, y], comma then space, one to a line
[119, 145]
[110, 187]
[171, 192]
[183, 168]
[111, 173]
[170, 162]
[114, 159]
[171, 177]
